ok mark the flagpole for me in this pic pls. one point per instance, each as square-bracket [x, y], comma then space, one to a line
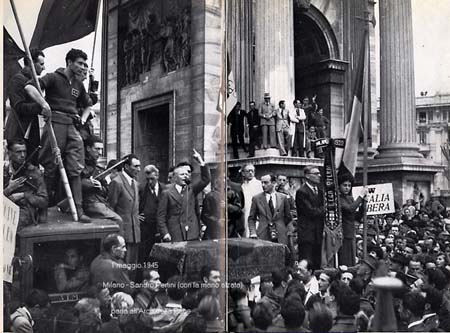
[95, 32]
[53, 142]
[367, 109]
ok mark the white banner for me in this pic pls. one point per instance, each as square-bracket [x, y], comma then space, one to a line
[380, 199]
[10, 221]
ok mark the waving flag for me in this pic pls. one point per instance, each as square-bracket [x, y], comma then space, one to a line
[353, 127]
[11, 56]
[63, 21]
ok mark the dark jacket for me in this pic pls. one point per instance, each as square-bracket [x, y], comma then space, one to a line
[177, 214]
[344, 324]
[349, 214]
[24, 109]
[236, 119]
[92, 194]
[310, 215]
[211, 215]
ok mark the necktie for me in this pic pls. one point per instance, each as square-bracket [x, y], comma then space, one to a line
[315, 190]
[271, 207]
[183, 190]
[298, 112]
[152, 190]
[282, 114]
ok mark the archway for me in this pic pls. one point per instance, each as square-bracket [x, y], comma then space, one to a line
[318, 68]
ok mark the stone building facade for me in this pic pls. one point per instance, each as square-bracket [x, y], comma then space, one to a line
[163, 70]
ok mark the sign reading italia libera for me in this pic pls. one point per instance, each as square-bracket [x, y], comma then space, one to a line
[380, 198]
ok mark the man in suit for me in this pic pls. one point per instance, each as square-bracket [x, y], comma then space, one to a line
[123, 198]
[253, 121]
[149, 196]
[236, 121]
[272, 209]
[177, 217]
[298, 129]
[310, 214]
[267, 115]
[283, 128]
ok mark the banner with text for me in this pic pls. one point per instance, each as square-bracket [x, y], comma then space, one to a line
[380, 199]
[10, 222]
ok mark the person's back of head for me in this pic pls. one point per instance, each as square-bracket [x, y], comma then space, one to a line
[174, 289]
[292, 311]
[348, 302]
[238, 292]
[414, 302]
[194, 323]
[434, 299]
[37, 297]
[262, 316]
[209, 307]
[357, 285]
[67, 321]
[278, 277]
[320, 318]
[296, 287]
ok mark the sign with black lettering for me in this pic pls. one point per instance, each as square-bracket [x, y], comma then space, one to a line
[380, 199]
[10, 222]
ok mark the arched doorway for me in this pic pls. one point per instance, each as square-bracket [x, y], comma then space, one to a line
[318, 68]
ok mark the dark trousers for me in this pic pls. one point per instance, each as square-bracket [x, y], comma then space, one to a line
[299, 144]
[132, 258]
[237, 138]
[253, 133]
[310, 251]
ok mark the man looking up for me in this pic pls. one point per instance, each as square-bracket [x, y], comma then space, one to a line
[64, 93]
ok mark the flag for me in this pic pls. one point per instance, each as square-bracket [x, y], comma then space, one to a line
[11, 56]
[63, 21]
[229, 90]
[332, 230]
[353, 126]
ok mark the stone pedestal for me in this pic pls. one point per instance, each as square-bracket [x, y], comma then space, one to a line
[274, 50]
[399, 161]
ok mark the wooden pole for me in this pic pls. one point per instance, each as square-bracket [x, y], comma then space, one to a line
[95, 31]
[53, 142]
[367, 110]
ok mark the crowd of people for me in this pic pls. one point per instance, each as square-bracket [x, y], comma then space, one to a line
[113, 304]
[292, 131]
[412, 245]
[145, 213]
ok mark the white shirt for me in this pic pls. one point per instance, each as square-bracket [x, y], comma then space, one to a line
[156, 189]
[274, 198]
[312, 288]
[179, 188]
[127, 177]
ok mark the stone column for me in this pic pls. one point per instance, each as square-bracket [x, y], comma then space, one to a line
[274, 50]
[397, 109]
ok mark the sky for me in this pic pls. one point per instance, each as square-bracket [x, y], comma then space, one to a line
[28, 11]
[431, 27]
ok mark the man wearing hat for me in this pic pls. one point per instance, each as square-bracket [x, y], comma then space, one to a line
[268, 113]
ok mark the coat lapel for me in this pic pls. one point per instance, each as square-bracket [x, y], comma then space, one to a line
[131, 191]
[175, 194]
[263, 200]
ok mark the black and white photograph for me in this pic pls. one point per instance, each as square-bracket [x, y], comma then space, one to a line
[226, 166]
[114, 162]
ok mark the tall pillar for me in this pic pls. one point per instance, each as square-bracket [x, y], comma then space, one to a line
[274, 50]
[397, 109]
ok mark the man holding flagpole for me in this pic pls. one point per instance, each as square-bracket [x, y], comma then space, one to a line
[64, 94]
